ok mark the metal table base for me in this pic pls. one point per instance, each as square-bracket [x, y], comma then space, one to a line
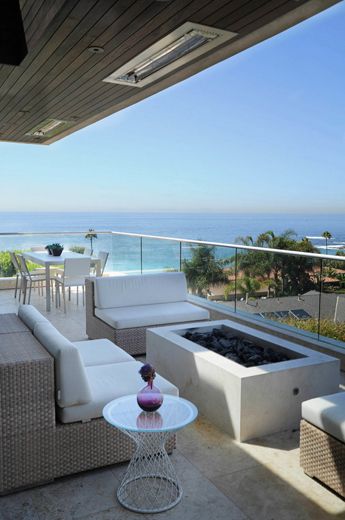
[150, 484]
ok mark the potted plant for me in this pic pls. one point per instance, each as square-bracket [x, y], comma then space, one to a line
[54, 249]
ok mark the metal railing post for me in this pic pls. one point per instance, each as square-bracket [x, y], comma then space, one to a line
[141, 255]
[235, 308]
[320, 289]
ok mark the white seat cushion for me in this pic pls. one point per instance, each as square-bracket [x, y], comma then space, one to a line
[71, 383]
[107, 382]
[101, 352]
[327, 413]
[30, 316]
[125, 291]
[146, 315]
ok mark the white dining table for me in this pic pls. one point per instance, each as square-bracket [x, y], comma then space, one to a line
[43, 258]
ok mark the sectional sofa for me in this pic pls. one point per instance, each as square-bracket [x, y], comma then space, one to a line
[52, 395]
[121, 308]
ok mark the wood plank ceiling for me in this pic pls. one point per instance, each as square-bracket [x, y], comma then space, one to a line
[61, 79]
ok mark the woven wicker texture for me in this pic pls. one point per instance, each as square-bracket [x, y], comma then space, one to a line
[11, 323]
[33, 447]
[132, 340]
[323, 457]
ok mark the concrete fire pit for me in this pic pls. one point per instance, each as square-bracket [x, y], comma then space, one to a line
[245, 402]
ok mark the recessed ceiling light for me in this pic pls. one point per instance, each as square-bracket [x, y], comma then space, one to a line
[95, 50]
[178, 48]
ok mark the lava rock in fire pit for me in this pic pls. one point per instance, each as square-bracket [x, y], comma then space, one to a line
[236, 348]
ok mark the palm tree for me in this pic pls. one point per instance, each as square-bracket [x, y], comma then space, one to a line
[245, 285]
[91, 235]
[204, 270]
[327, 236]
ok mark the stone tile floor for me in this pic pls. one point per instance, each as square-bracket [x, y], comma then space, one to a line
[221, 478]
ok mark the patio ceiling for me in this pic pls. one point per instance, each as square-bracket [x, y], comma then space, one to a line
[61, 79]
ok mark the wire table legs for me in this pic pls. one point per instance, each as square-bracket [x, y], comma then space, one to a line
[150, 484]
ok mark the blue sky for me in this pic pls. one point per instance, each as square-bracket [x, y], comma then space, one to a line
[263, 131]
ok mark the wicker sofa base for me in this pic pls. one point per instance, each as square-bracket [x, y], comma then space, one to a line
[322, 457]
[131, 340]
[34, 447]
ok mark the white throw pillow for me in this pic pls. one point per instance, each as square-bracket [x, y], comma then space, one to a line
[30, 316]
[147, 289]
[72, 386]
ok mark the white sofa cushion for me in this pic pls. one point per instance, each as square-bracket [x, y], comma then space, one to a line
[30, 316]
[125, 291]
[156, 314]
[327, 413]
[101, 352]
[71, 384]
[107, 382]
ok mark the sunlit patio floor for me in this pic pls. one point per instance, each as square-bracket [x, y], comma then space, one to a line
[221, 478]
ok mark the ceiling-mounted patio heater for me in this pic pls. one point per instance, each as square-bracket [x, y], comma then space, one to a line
[49, 128]
[181, 46]
[13, 47]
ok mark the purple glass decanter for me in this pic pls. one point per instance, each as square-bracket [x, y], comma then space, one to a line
[150, 397]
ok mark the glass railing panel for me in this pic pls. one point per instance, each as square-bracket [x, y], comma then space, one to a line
[126, 255]
[279, 288]
[160, 256]
[332, 304]
[210, 273]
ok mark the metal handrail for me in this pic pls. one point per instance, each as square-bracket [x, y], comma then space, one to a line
[183, 241]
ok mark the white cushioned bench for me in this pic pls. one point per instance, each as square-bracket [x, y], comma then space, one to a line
[88, 374]
[121, 308]
[322, 443]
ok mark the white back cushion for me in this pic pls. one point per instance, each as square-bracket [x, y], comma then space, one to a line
[30, 316]
[71, 382]
[125, 291]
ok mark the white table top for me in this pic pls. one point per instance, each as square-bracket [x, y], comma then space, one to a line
[174, 414]
[43, 258]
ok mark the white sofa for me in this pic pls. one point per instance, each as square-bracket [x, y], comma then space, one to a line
[52, 395]
[88, 374]
[121, 308]
[322, 441]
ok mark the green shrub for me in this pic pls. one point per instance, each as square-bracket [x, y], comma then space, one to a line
[77, 249]
[328, 328]
[6, 266]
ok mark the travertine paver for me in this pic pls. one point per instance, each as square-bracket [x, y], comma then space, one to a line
[222, 479]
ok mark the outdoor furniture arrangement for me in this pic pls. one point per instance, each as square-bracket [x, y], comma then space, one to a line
[42, 258]
[121, 308]
[322, 441]
[150, 484]
[73, 275]
[53, 393]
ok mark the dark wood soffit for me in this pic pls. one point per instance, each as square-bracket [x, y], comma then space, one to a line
[92, 103]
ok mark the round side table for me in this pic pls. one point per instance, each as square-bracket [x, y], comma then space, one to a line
[150, 484]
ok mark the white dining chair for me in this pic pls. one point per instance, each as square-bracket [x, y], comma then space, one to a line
[73, 275]
[103, 256]
[29, 279]
[98, 265]
[15, 263]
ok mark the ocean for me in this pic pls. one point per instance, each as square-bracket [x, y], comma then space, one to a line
[125, 252]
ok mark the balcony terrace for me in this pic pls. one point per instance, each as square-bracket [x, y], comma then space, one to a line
[260, 479]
